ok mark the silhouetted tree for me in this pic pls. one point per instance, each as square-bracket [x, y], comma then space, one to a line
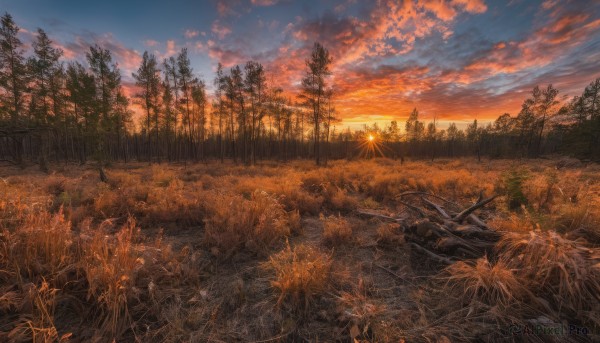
[313, 90]
[147, 79]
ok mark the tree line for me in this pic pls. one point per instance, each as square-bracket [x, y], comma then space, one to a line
[68, 111]
[542, 126]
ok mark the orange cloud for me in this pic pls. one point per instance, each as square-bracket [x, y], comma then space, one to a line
[227, 57]
[542, 47]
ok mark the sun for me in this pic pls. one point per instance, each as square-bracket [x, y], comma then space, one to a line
[371, 146]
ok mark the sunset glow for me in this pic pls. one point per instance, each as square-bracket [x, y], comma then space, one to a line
[455, 60]
[300, 171]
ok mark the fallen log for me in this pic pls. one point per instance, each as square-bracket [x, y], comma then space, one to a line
[414, 208]
[441, 234]
[437, 208]
[451, 245]
[434, 256]
[466, 212]
[472, 231]
[473, 219]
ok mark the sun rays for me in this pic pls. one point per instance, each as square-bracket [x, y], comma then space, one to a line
[371, 145]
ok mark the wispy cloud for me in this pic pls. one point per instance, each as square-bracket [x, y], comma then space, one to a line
[220, 30]
[264, 2]
[189, 34]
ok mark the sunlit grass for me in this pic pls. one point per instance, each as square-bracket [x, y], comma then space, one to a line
[69, 242]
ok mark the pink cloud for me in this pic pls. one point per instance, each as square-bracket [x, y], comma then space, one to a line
[472, 6]
[545, 45]
[227, 57]
[264, 2]
[171, 48]
[127, 59]
[191, 33]
[150, 43]
[220, 30]
[227, 7]
[403, 22]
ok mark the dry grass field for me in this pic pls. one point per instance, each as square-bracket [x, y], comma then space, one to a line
[284, 253]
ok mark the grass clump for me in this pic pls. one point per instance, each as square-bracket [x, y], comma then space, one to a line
[389, 234]
[493, 284]
[235, 224]
[361, 315]
[557, 268]
[301, 275]
[336, 230]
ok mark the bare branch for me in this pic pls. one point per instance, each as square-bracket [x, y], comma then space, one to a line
[437, 208]
[433, 255]
[465, 213]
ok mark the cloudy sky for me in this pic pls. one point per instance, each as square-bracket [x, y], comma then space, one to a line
[455, 60]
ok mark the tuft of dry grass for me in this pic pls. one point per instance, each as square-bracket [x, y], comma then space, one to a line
[484, 282]
[513, 222]
[389, 234]
[55, 184]
[336, 230]
[555, 267]
[42, 246]
[257, 224]
[172, 204]
[339, 200]
[301, 275]
[295, 222]
[360, 314]
[49, 272]
[110, 265]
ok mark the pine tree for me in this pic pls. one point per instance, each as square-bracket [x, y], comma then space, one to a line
[186, 82]
[147, 79]
[313, 91]
[107, 79]
[255, 86]
[44, 68]
[13, 71]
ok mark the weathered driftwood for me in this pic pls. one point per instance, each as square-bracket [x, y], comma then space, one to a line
[442, 234]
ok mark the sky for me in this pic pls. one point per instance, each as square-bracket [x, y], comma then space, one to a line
[454, 60]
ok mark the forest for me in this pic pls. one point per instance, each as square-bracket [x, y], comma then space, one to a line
[57, 110]
[240, 210]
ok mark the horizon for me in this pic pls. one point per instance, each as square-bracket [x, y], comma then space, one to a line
[456, 61]
[299, 171]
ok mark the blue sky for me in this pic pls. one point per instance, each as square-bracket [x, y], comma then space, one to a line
[455, 60]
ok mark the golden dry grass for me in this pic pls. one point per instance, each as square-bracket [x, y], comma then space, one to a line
[336, 230]
[198, 253]
[301, 274]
